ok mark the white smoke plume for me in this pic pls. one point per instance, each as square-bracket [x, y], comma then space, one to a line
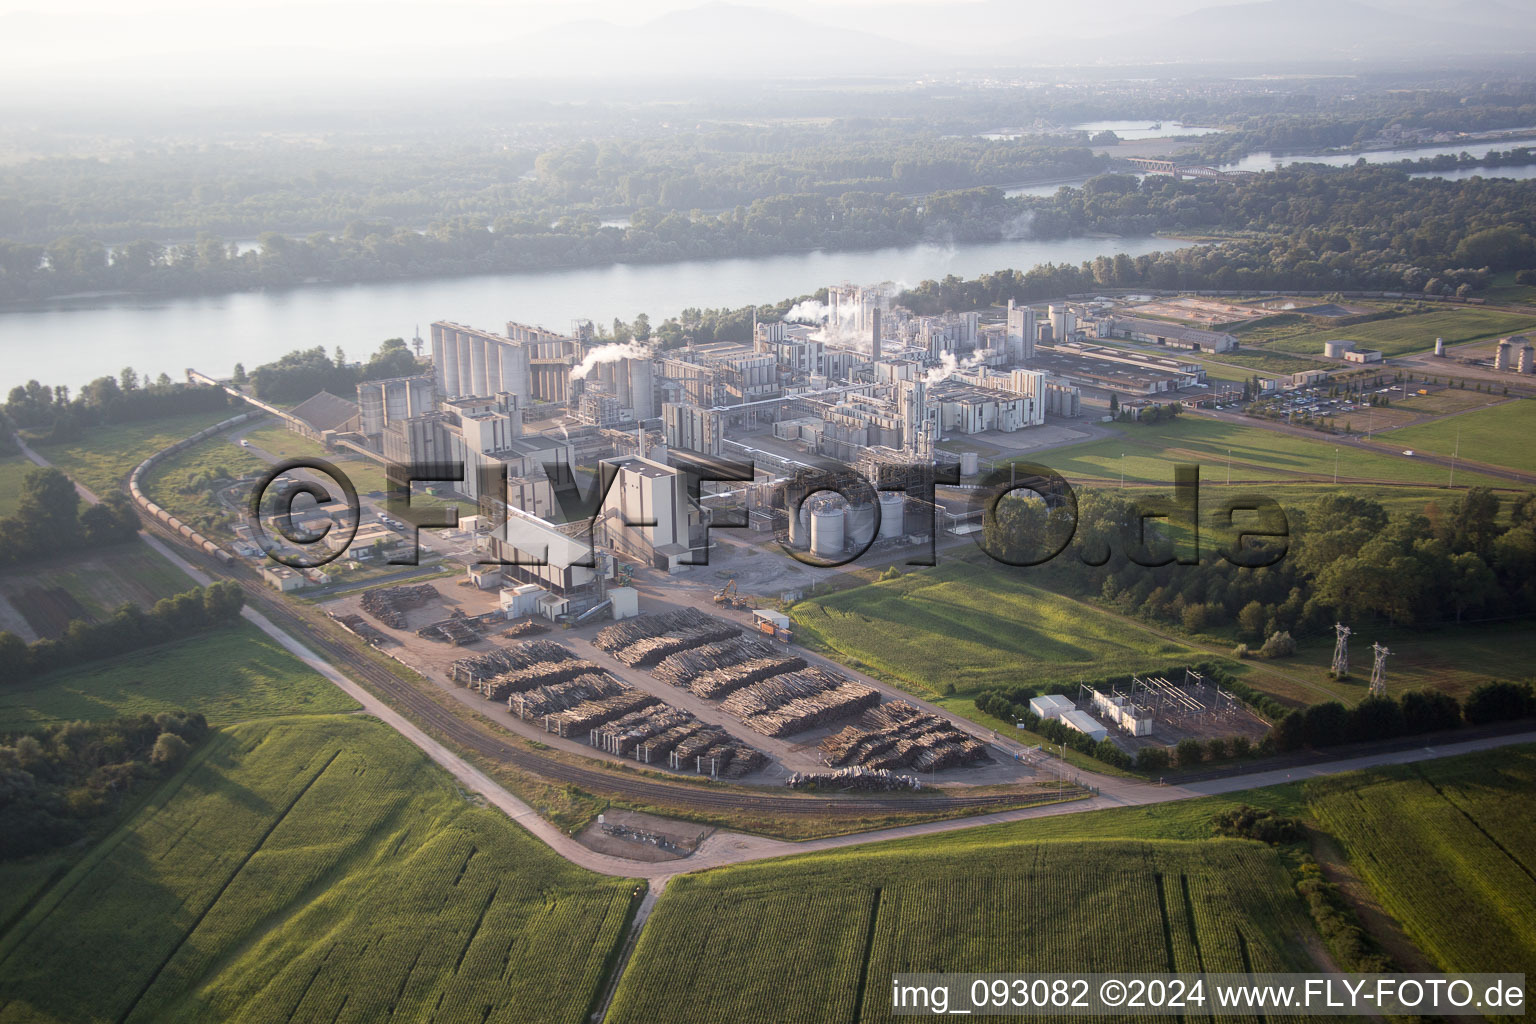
[808, 312]
[949, 365]
[610, 353]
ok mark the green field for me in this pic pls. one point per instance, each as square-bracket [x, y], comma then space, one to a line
[1256, 454]
[13, 469]
[104, 458]
[169, 483]
[819, 937]
[366, 475]
[1448, 848]
[1496, 435]
[95, 583]
[1403, 334]
[317, 869]
[975, 627]
[230, 675]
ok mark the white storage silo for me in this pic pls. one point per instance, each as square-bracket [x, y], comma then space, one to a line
[893, 507]
[1440, 347]
[827, 531]
[969, 464]
[860, 524]
[800, 527]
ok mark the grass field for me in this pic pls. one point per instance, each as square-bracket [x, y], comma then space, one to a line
[818, 937]
[1496, 435]
[92, 585]
[1151, 452]
[13, 469]
[230, 675]
[1403, 334]
[973, 627]
[317, 869]
[1448, 847]
[103, 460]
[366, 475]
[167, 482]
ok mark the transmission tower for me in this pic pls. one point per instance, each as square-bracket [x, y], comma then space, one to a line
[1341, 651]
[1379, 671]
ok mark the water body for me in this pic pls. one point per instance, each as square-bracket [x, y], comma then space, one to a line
[1271, 162]
[71, 342]
[1134, 131]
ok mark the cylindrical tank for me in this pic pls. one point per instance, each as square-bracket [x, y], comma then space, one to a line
[1440, 347]
[969, 464]
[861, 524]
[1336, 349]
[827, 531]
[893, 507]
[800, 527]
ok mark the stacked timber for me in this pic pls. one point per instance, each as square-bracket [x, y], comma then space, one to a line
[524, 627]
[589, 714]
[722, 682]
[795, 701]
[652, 735]
[500, 660]
[389, 604]
[454, 630]
[715, 752]
[652, 649]
[899, 735]
[640, 627]
[544, 673]
[854, 778]
[548, 700]
[679, 669]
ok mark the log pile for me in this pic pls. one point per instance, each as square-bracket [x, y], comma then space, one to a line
[681, 668]
[652, 649]
[389, 604]
[622, 634]
[589, 714]
[854, 778]
[495, 662]
[653, 734]
[715, 751]
[724, 681]
[898, 735]
[557, 697]
[524, 627]
[796, 701]
[360, 626]
[454, 630]
[544, 673]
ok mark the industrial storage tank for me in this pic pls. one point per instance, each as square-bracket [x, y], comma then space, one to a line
[800, 526]
[1336, 349]
[893, 507]
[969, 464]
[861, 524]
[827, 531]
[1440, 346]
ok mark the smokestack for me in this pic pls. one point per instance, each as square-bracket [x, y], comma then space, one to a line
[874, 340]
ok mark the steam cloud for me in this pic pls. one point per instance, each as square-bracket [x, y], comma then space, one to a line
[949, 365]
[610, 353]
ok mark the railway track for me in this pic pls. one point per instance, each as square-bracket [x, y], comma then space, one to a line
[429, 714]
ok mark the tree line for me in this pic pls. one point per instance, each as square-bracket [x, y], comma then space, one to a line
[130, 628]
[53, 414]
[48, 519]
[301, 373]
[56, 780]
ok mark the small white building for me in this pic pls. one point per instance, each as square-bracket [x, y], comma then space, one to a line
[1086, 724]
[1052, 705]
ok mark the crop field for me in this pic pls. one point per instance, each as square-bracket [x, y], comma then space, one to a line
[105, 457]
[1495, 435]
[92, 585]
[318, 869]
[818, 937]
[1151, 451]
[1448, 848]
[230, 675]
[974, 627]
[1400, 335]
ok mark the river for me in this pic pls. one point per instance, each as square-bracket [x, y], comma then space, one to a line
[70, 342]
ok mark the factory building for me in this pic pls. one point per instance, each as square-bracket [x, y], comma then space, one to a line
[1360, 355]
[1156, 332]
[466, 361]
[647, 514]
[381, 401]
[1022, 333]
[852, 310]
[692, 428]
